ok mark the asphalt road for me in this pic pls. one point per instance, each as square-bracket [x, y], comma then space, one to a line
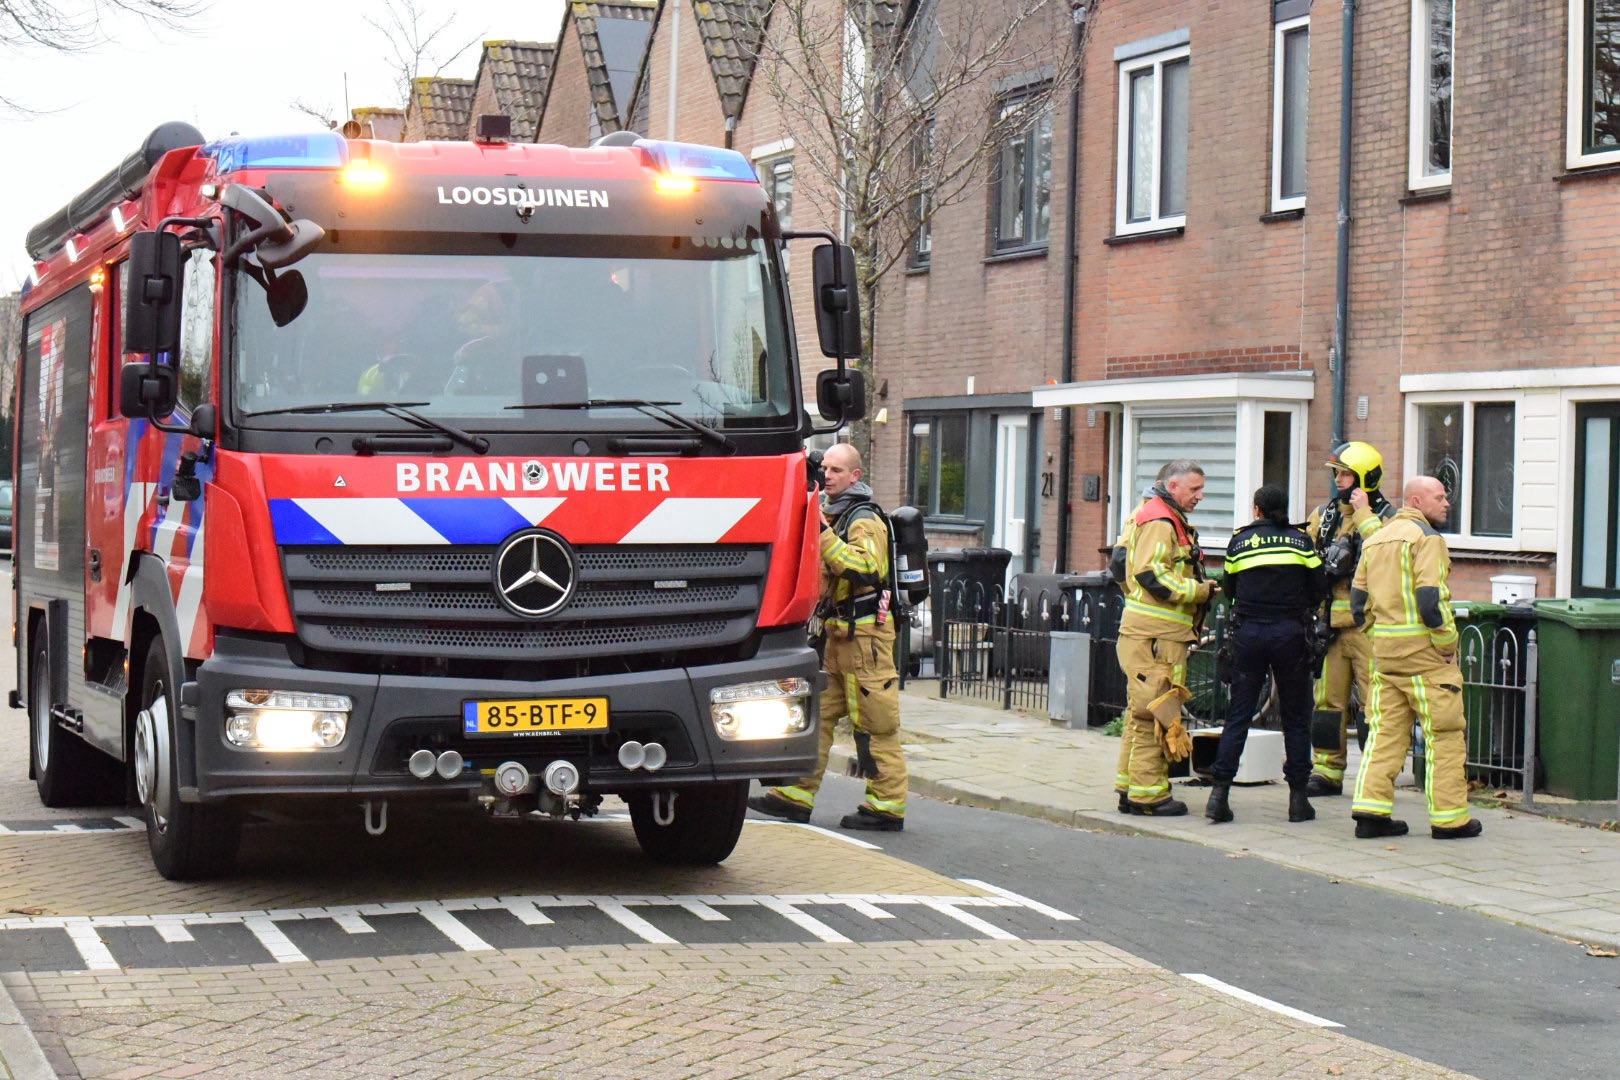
[1471, 993]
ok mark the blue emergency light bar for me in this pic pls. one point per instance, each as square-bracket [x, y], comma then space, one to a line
[315, 150]
[698, 162]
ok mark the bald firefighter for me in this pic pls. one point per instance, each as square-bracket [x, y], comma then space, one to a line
[1165, 596]
[1340, 528]
[858, 655]
[1401, 596]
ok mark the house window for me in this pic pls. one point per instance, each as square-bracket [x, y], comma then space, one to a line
[1290, 91]
[1240, 444]
[1594, 83]
[776, 174]
[1153, 142]
[1430, 165]
[1470, 446]
[939, 465]
[1023, 179]
[922, 203]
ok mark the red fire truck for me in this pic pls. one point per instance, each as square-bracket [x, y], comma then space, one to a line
[470, 471]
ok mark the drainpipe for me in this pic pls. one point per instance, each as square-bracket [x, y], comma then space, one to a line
[674, 65]
[1071, 287]
[1341, 285]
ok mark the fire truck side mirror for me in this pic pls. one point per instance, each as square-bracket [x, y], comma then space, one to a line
[841, 395]
[838, 309]
[152, 317]
[146, 390]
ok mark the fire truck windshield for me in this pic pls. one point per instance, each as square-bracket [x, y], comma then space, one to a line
[471, 334]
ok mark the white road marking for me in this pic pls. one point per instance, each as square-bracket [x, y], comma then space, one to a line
[84, 932]
[632, 922]
[1256, 999]
[1021, 901]
[971, 921]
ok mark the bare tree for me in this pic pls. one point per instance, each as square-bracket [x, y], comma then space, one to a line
[903, 107]
[72, 27]
[419, 48]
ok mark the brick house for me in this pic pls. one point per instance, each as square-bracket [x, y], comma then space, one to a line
[511, 82]
[599, 54]
[439, 109]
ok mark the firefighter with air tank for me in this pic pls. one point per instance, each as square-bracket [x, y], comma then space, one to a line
[1339, 528]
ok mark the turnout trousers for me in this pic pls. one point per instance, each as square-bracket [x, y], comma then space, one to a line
[862, 685]
[1281, 648]
[1152, 666]
[1433, 699]
[1348, 662]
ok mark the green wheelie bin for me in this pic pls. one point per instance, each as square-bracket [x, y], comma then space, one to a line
[1579, 701]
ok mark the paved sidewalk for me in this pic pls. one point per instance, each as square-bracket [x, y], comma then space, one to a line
[1557, 876]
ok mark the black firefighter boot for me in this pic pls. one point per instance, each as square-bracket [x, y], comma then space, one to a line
[1217, 809]
[1299, 803]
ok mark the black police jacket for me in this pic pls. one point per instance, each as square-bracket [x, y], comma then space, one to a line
[1273, 573]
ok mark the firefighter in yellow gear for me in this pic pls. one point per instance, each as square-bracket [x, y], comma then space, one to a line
[1402, 598]
[1117, 563]
[858, 657]
[1165, 594]
[1340, 528]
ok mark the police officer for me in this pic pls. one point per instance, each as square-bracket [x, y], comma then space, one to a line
[1402, 595]
[862, 683]
[1275, 582]
[1339, 528]
[1165, 596]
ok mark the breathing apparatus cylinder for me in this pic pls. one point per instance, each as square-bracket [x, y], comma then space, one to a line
[910, 553]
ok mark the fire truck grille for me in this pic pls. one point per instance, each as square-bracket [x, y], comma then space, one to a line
[432, 602]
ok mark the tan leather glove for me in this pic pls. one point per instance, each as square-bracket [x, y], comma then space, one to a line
[1174, 741]
[1166, 708]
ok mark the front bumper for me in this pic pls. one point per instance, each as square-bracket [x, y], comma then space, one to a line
[394, 716]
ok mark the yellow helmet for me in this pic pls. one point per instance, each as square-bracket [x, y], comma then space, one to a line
[1361, 459]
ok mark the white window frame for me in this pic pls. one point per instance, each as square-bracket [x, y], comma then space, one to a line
[1462, 509]
[1575, 156]
[1279, 107]
[1155, 221]
[1418, 124]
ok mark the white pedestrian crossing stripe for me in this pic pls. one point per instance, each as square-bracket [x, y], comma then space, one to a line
[96, 938]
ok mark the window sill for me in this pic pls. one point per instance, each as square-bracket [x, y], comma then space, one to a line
[920, 268]
[1156, 234]
[1016, 254]
[953, 525]
[1589, 172]
[1282, 215]
[1428, 195]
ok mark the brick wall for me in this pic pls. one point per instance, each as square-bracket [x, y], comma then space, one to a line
[568, 103]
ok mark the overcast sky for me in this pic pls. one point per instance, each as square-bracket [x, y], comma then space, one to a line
[238, 67]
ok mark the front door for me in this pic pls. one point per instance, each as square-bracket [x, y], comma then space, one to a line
[1597, 499]
[1012, 487]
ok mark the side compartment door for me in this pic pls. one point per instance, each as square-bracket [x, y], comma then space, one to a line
[48, 522]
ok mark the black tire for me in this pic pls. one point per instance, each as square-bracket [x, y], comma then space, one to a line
[189, 841]
[67, 770]
[707, 822]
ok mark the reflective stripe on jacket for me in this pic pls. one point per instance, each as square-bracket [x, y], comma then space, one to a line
[1402, 598]
[854, 566]
[1163, 590]
[1364, 522]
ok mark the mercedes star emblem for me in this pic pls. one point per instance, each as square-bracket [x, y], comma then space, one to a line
[534, 573]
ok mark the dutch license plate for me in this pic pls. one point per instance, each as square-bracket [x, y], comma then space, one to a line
[534, 716]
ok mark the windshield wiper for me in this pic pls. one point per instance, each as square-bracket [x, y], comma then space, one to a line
[404, 410]
[657, 409]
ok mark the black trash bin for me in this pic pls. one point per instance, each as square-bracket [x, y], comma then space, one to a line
[964, 594]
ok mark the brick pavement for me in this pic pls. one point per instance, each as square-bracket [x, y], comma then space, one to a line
[910, 1009]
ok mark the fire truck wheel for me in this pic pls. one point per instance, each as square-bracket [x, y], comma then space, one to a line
[67, 770]
[707, 821]
[188, 840]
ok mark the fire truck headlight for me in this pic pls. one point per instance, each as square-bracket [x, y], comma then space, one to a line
[761, 710]
[286, 720]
